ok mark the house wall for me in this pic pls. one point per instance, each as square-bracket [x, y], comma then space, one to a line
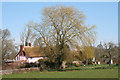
[20, 58]
[23, 58]
[34, 59]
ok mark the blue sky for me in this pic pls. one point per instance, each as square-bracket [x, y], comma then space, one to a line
[102, 14]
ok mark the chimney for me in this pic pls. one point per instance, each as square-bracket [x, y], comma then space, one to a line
[21, 47]
[30, 44]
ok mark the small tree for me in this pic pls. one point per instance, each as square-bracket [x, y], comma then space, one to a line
[88, 52]
[99, 51]
[8, 47]
[109, 48]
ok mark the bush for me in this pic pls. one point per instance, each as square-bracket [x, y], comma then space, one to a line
[84, 62]
[49, 65]
[117, 64]
[28, 65]
[77, 64]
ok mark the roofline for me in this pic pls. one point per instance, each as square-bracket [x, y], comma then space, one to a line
[28, 56]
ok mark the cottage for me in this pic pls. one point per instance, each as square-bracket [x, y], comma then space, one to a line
[30, 54]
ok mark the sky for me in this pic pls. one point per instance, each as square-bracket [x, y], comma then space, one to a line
[102, 14]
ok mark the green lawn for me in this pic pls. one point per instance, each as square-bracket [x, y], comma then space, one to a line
[97, 73]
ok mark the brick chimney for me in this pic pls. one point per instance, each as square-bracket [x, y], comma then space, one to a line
[21, 47]
[30, 44]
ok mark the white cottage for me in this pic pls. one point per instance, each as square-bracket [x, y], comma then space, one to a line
[30, 54]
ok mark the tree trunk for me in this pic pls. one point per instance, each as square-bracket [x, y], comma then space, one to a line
[110, 60]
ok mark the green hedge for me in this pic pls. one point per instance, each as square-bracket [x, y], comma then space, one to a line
[88, 68]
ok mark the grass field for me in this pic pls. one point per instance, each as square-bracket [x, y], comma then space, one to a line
[97, 73]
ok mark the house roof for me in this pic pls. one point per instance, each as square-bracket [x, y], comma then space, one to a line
[32, 51]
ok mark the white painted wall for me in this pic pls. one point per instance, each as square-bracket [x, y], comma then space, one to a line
[20, 58]
[23, 58]
[29, 60]
[34, 59]
[111, 61]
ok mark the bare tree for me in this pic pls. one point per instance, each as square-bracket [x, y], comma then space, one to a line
[63, 28]
[8, 46]
[0, 49]
[39, 42]
[4, 35]
[27, 36]
[111, 49]
[99, 52]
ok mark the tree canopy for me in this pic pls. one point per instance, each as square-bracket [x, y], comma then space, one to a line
[63, 28]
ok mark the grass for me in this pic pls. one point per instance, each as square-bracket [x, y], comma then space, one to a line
[95, 73]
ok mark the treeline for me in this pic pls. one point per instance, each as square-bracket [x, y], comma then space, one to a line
[105, 51]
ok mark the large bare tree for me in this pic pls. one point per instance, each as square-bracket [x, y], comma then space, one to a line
[61, 29]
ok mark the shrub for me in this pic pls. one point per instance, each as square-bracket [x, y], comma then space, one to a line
[27, 65]
[70, 64]
[77, 64]
[117, 64]
[49, 65]
[84, 62]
